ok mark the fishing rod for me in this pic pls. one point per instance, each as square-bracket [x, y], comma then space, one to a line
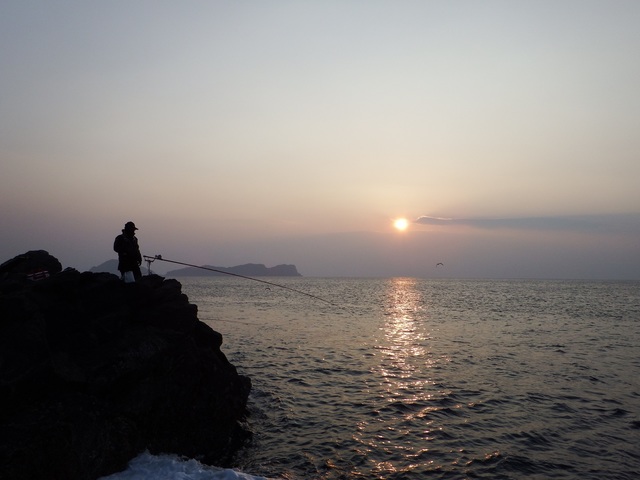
[229, 321]
[150, 259]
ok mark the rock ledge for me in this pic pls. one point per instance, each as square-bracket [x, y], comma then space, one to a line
[94, 371]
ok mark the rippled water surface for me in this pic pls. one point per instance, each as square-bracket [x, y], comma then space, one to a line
[413, 378]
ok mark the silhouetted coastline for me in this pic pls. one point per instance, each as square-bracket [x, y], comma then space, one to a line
[247, 269]
[95, 371]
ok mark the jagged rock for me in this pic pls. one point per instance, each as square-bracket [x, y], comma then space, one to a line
[35, 264]
[93, 371]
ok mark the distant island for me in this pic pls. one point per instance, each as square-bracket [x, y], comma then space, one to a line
[248, 270]
[110, 266]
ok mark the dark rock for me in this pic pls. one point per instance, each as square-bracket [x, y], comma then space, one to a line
[94, 371]
[34, 263]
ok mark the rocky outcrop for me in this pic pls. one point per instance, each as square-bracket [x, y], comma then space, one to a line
[93, 371]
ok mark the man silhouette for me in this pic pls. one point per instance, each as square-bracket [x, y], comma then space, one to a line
[129, 257]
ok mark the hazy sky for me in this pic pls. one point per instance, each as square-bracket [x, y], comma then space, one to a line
[508, 133]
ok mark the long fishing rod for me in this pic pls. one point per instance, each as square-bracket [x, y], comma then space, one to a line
[229, 321]
[150, 259]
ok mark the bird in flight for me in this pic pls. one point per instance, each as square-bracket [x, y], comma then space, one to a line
[439, 263]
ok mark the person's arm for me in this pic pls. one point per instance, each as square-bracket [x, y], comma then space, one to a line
[117, 244]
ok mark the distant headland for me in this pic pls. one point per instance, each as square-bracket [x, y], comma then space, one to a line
[247, 269]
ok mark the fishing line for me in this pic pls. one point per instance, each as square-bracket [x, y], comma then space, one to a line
[149, 259]
[228, 321]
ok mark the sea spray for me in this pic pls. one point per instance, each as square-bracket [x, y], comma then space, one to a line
[146, 466]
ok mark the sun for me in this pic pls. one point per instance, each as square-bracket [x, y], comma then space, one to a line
[401, 224]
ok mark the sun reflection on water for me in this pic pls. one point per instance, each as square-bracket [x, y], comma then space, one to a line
[404, 336]
[406, 394]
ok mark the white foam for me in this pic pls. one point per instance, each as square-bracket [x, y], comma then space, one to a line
[171, 467]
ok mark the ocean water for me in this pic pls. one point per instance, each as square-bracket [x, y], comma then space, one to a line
[406, 378]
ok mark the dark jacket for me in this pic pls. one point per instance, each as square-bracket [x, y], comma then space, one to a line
[129, 257]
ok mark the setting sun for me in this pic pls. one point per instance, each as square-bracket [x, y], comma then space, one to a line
[401, 224]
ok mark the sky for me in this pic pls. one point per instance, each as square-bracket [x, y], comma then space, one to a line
[297, 132]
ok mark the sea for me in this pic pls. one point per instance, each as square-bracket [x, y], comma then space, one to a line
[407, 378]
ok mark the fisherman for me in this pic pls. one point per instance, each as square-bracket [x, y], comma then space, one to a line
[129, 257]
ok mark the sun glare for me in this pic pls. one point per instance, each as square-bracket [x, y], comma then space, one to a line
[401, 224]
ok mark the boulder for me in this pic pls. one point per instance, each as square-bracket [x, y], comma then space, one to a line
[94, 371]
[35, 264]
